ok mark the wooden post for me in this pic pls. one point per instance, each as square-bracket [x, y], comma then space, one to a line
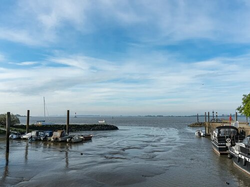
[208, 118]
[8, 121]
[236, 116]
[28, 121]
[67, 125]
[197, 118]
[205, 123]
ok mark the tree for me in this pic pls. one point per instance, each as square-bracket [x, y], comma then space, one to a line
[245, 107]
[13, 119]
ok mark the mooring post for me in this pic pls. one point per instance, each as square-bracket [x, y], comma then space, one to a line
[67, 125]
[8, 121]
[236, 116]
[208, 118]
[205, 123]
[28, 121]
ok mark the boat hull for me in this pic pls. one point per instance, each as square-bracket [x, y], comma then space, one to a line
[220, 148]
[240, 161]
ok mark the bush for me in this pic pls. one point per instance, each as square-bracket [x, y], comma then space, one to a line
[14, 119]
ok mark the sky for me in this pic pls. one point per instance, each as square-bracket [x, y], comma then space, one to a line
[126, 57]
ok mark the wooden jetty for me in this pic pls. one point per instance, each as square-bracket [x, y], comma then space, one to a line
[210, 125]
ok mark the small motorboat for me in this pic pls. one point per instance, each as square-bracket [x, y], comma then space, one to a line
[199, 133]
[101, 121]
[60, 136]
[15, 135]
[26, 136]
[240, 153]
[75, 139]
[86, 137]
[46, 135]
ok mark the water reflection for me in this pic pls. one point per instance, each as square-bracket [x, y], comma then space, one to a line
[26, 152]
[66, 159]
[5, 173]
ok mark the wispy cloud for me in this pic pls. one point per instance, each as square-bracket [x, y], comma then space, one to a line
[43, 21]
[19, 36]
[134, 82]
[25, 63]
[2, 58]
[111, 55]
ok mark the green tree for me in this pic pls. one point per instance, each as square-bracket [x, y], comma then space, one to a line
[14, 119]
[245, 107]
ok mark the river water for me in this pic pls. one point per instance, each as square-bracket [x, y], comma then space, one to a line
[145, 151]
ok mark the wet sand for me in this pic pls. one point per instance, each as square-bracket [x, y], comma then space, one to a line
[132, 156]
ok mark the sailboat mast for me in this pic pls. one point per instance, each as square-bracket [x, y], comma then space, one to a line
[44, 107]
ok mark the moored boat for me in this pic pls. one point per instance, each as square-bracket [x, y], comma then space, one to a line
[199, 133]
[75, 139]
[15, 135]
[224, 137]
[60, 136]
[26, 136]
[240, 153]
[86, 137]
[101, 121]
[46, 135]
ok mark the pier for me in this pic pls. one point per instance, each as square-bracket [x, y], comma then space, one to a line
[210, 125]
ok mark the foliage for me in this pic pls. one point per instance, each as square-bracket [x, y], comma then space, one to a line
[14, 119]
[245, 107]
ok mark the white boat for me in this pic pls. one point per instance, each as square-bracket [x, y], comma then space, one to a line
[240, 153]
[75, 139]
[15, 135]
[26, 136]
[199, 133]
[101, 121]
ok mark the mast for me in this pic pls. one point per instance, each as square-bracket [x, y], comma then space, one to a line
[44, 107]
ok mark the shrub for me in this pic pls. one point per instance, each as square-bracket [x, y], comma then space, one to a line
[14, 119]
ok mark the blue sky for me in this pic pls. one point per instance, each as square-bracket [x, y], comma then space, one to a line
[169, 57]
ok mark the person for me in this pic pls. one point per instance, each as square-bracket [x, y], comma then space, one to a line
[230, 118]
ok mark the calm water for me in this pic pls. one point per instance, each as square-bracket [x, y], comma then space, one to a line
[146, 151]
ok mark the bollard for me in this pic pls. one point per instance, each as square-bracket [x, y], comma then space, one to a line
[67, 125]
[205, 123]
[8, 121]
[236, 116]
[28, 121]
[208, 118]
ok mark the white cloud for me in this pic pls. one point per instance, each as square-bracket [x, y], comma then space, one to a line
[126, 84]
[38, 22]
[19, 35]
[2, 57]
